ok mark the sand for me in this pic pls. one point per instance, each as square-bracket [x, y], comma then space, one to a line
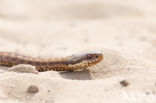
[124, 31]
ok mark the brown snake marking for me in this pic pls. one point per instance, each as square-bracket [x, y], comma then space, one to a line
[70, 63]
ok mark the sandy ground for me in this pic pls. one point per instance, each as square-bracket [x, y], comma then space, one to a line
[123, 30]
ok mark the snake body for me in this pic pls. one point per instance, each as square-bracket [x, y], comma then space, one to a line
[70, 63]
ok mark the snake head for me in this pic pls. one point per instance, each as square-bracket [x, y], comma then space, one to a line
[93, 57]
[84, 60]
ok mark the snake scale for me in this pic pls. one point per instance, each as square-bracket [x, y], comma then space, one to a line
[70, 63]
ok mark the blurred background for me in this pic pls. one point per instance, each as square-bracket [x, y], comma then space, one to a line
[54, 27]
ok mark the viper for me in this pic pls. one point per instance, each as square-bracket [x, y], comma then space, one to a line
[69, 63]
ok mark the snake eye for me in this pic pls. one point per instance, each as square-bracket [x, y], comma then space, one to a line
[89, 56]
[96, 56]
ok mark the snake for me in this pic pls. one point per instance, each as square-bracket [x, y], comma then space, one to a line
[68, 63]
